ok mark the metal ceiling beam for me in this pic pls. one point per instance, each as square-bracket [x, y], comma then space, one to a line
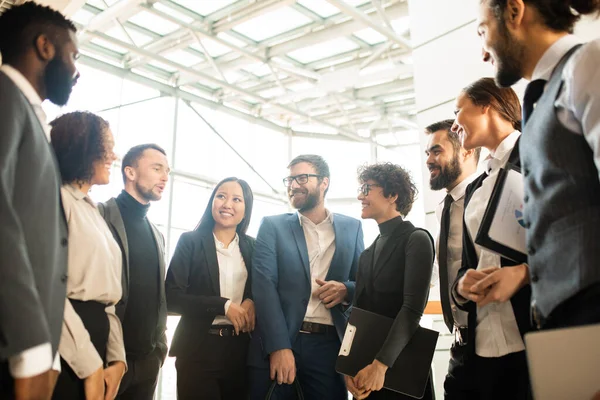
[121, 10]
[368, 21]
[208, 78]
[242, 15]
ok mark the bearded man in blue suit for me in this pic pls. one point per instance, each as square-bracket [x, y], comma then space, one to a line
[304, 269]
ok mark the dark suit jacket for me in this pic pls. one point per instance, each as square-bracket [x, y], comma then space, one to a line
[112, 215]
[282, 286]
[521, 300]
[33, 231]
[397, 286]
[193, 288]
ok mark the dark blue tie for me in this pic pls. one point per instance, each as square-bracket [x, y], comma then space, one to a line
[533, 92]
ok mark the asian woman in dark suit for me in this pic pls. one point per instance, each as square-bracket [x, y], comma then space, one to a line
[393, 273]
[208, 284]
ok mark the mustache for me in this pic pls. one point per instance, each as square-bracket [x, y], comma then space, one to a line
[296, 191]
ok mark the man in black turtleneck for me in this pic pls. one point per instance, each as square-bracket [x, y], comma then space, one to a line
[142, 308]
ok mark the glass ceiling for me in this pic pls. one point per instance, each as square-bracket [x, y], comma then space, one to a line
[310, 63]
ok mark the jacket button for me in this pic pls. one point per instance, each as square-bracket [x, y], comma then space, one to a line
[526, 171]
[534, 278]
[64, 278]
[64, 242]
[526, 198]
[531, 250]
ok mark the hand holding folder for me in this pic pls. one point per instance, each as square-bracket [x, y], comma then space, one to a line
[365, 334]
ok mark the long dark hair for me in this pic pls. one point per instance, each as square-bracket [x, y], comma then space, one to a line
[484, 92]
[207, 222]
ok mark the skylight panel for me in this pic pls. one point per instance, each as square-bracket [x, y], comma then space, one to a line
[273, 23]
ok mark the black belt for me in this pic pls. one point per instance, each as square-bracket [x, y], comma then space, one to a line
[312, 327]
[222, 330]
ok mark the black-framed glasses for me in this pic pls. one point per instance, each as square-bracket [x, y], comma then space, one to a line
[365, 188]
[300, 179]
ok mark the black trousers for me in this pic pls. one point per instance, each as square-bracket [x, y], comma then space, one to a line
[139, 383]
[458, 384]
[95, 320]
[502, 378]
[581, 309]
[6, 382]
[218, 372]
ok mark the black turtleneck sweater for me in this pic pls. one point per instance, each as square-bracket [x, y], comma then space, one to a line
[385, 231]
[141, 313]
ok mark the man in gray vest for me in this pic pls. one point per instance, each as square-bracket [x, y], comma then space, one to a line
[560, 154]
[39, 49]
[142, 308]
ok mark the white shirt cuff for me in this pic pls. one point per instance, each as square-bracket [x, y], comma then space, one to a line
[56, 363]
[227, 306]
[31, 362]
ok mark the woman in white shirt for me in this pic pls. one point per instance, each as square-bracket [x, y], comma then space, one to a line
[208, 284]
[489, 116]
[91, 345]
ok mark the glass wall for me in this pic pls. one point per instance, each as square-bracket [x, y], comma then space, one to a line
[200, 157]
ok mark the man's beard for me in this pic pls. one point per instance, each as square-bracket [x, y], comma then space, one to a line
[509, 55]
[147, 194]
[312, 200]
[58, 81]
[447, 176]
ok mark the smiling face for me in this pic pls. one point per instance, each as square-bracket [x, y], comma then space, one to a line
[306, 196]
[228, 207]
[375, 205]
[471, 122]
[443, 161]
[500, 47]
[101, 175]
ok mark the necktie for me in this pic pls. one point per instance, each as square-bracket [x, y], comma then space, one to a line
[533, 92]
[443, 263]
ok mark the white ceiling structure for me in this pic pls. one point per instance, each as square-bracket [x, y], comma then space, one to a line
[326, 68]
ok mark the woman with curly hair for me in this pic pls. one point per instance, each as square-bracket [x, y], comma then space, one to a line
[91, 349]
[393, 273]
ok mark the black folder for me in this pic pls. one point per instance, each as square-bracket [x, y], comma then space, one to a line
[365, 334]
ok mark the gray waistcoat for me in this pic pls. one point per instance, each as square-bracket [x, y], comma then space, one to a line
[562, 203]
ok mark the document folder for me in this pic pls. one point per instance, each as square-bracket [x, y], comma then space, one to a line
[503, 229]
[365, 335]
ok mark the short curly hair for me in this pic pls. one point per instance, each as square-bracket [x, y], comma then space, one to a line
[394, 180]
[78, 139]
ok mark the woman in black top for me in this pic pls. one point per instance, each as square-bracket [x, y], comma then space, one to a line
[208, 284]
[393, 273]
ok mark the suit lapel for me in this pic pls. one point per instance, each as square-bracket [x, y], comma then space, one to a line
[160, 247]
[339, 230]
[212, 263]
[114, 215]
[247, 257]
[364, 270]
[390, 246]
[298, 233]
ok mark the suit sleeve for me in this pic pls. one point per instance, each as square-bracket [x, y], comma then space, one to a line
[248, 287]
[19, 298]
[359, 247]
[178, 281]
[264, 290]
[115, 348]
[417, 276]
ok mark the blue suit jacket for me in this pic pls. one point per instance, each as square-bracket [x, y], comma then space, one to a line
[281, 282]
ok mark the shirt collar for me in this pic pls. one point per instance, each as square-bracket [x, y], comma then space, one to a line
[497, 158]
[458, 191]
[23, 84]
[78, 194]
[221, 245]
[553, 55]
[303, 219]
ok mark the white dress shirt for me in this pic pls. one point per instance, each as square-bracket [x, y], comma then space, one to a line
[578, 105]
[232, 275]
[320, 241]
[37, 359]
[455, 238]
[94, 263]
[497, 333]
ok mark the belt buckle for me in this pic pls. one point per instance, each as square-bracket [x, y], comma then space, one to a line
[221, 332]
[308, 326]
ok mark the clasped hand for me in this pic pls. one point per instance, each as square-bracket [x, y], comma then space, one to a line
[368, 379]
[243, 316]
[493, 284]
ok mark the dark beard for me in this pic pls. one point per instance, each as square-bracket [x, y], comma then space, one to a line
[58, 81]
[147, 195]
[312, 200]
[509, 55]
[447, 176]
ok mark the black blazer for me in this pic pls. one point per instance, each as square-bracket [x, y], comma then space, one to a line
[521, 300]
[388, 288]
[193, 288]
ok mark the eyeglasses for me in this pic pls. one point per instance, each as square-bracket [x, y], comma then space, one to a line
[365, 188]
[300, 179]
